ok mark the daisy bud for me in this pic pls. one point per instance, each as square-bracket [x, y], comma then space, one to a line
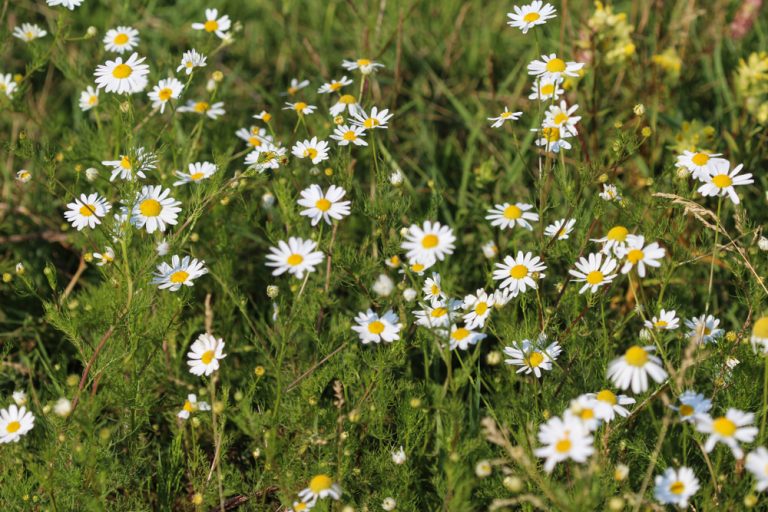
[63, 407]
[91, 174]
[396, 178]
[210, 85]
[267, 200]
[616, 504]
[23, 176]
[314, 171]
[731, 337]
[602, 178]
[256, 453]
[513, 483]
[20, 269]
[91, 32]
[639, 109]
[398, 456]
[409, 294]
[493, 358]
[645, 334]
[354, 416]
[617, 125]
[194, 237]
[383, 286]
[490, 250]
[389, 504]
[338, 120]
[682, 172]
[195, 422]
[328, 172]
[483, 469]
[750, 500]
[259, 371]
[73, 380]
[7, 277]
[348, 508]
[646, 131]
[217, 76]
[224, 201]
[273, 291]
[19, 397]
[763, 243]
[621, 472]
[197, 499]
[403, 231]
[415, 403]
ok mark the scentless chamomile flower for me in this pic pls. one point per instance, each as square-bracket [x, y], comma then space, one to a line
[87, 211]
[615, 240]
[505, 116]
[757, 464]
[550, 66]
[676, 486]
[300, 107]
[180, 272]
[562, 439]
[296, 257]
[69, 4]
[154, 209]
[345, 102]
[560, 229]
[383, 286]
[198, 171]
[23, 176]
[120, 77]
[693, 406]
[438, 313]
[374, 328]
[667, 320]
[462, 338]
[131, 166]
[608, 404]
[594, 272]
[519, 273]
[14, 423]
[19, 397]
[366, 66]
[121, 39]
[191, 404]
[267, 156]
[28, 32]
[204, 355]
[254, 136]
[704, 329]
[324, 205]
[190, 60]
[7, 84]
[213, 111]
[334, 85]
[546, 89]
[263, 116]
[214, 24]
[345, 134]
[432, 288]
[721, 181]
[637, 254]
[89, 98]
[104, 258]
[733, 428]
[320, 487]
[166, 90]
[528, 16]
[295, 86]
[759, 338]
[634, 367]
[610, 193]
[315, 150]
[429, 242]
[533, 357]
[561, 117]
[553, 138]
[584, 407]
[490, 249]
[300, 506]
[398, 456]
[700, 163]
[507, 216]
[478, 308]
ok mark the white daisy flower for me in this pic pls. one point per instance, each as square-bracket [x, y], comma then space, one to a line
[721, 181]
[546, 89]
[104, 258]
[561, 117]
[89, 98]
[667, 320]
[704, 329]
[320, 487]
[254, 136]
[190, 60]
[564, 438]
[14, 423]
[560, 229]
[383, 286]
[633, 368]
[374, 328]
[505, 116]
[675, 487]
[323, 205]
[87, 211]
[263, 116]
[267, 156]
[502, 296]
[69, 4]
[398, 456]
[519, 273]
[316, 151]
[166, 90]
[636, 253]
[214, 23]
[532, 357]
[594, 272]
[528, 16]
[191, 405]
[507, 216]
[490, 249]
[610, 193]
[296, 86]
[376, 119]
[345, 102]
[121, 39]
[759, 338]
[154, 209]
[120, 77]
[733, 428]
[198, 171]
[301, 108]
[296, 257]
[553, 138]
[584, 407]
[757, 464]
[346, 134]
[429, 242]
[334, 85]
[213, 111]
[130, 166]
[19, 397]
[417, 268]
[300, 506]
[478, 307]
[181, 272]
[693, 406]
[615, 240]
[701, 164]
[438, 313]
[608, 404]
[7, 84]
[23, 176]
[28, 32]
[366, 66]
[432, 288]
[462, 338]
[550, 66]
[204, 355]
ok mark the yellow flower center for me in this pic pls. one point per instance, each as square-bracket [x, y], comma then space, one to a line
[430, 241]
[547, 89]
[371, 122]
[179, 277]
[320, 483]
[563, 445]
[87, 210]
[556, 65]
[207, 356]
[376, 327]
[295, 259]
[254, 141]
[300, 106]
[125, 162]
[636, 356]
[435, 289]
[505, 115]
[722, 181]
[531, 17]
[760, 330]
[165, 94]
[724, 426]
[188, 406]
[534, 359]
[197, 176]
[122, 71]
[460, 333]
[417, 267]
[201, 106]
[150, 207]
[518, 271]
[300, 506]
[350, 135]
[661, 323]
[677, 487]
[13, 427]
[551, 133]
[700, 159]
[438, 312]
[617, 233]
[93, 99]
[512, 212]
[323, 204]
[211, 26]
[607, 396]
[266, 117]
[595, 277]
[335, 86]
[363, 62]
[686, 410]
[120, 39]
[561, 118]
[635, 255]
[29, 35]
[481, 308]
[587, 414]
[310, 152]
[292, 90]
[347, 99]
